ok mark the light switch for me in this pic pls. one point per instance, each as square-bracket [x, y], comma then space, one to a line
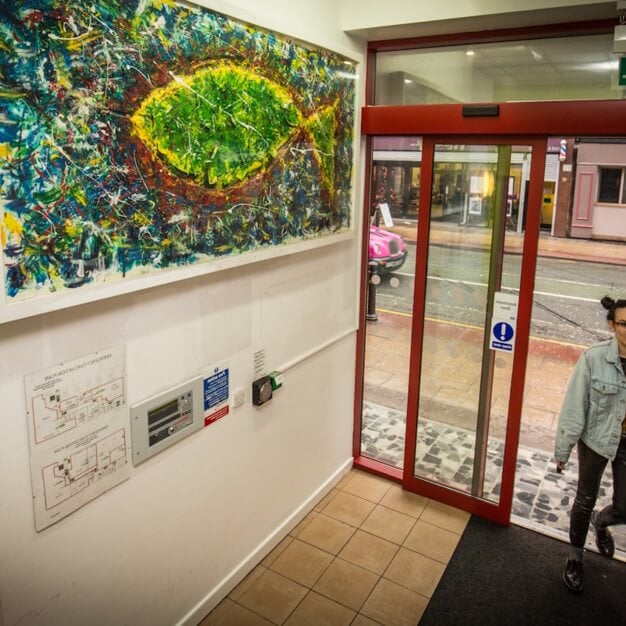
[239, 397]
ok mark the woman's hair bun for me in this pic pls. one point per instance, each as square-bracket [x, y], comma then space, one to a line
[607, 302]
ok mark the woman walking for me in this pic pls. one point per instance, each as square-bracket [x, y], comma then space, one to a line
[593, 418]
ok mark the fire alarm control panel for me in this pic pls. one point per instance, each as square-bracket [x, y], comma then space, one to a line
[164, 419]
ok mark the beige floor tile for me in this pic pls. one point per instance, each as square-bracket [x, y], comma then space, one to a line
[316, 610]
[346, 583]
[368, 551]
[393, 605]
[348, 508]
[247, 582]
[325, 500]
[346, 478]
[218, 613]
[235, 615]
[415, 571]
[404, 501]
[327, 533]
[302, 562]
[445, 516]
[273, 596]
[388, 524]
[432, 541]
[361, 620]
[276, 552]
[297, 530]
[367, 486]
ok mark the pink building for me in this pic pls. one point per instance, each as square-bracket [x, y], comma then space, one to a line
[599, 203]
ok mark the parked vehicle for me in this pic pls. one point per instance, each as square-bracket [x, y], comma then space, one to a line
[387, 249]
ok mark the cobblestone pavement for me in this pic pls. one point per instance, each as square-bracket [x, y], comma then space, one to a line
[542, 498]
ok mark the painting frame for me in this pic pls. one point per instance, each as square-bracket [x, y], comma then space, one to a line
[100, 286]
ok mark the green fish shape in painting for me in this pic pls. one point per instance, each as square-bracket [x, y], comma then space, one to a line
[225, 123]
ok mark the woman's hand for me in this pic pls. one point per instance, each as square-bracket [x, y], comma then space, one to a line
[560, 466]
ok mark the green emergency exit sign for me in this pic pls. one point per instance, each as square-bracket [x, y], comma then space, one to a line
[622, 72]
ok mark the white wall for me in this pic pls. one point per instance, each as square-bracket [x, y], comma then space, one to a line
[367, 13]
[407, 18]
[169, 543]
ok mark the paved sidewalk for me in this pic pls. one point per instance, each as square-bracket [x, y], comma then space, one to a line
[449, 388]
[611, 252]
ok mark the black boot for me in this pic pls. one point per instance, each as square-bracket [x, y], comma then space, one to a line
[573, 575]
[604, 540]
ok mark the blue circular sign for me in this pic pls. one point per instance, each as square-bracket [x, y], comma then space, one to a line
[503, 331]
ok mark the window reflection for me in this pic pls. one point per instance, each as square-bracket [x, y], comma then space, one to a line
[565, 68]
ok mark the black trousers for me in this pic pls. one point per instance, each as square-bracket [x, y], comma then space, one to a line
[590, 469]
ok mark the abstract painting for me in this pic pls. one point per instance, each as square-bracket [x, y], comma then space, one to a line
[138, 136]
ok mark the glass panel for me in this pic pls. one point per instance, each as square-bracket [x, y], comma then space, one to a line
[464, 384]
[609, 183]
[564, 68]
[395, 185]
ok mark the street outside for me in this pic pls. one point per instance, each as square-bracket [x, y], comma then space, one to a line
[567, 293]
[566, 318]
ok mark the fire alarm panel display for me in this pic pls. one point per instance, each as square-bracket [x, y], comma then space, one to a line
[163, 420]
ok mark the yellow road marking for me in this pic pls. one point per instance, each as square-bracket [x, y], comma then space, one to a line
[473, 326]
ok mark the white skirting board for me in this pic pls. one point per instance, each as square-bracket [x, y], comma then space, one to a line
[229, 582]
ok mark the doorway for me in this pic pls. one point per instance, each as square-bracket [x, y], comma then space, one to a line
[458, 160]
[471, 320]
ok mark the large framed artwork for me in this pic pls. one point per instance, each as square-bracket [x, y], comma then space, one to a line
[144, 141]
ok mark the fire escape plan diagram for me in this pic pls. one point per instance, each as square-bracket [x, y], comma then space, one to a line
[78, 430]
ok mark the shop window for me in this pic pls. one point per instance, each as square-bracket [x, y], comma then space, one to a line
[611, 185]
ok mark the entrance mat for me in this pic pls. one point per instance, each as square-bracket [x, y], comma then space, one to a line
[512, 575]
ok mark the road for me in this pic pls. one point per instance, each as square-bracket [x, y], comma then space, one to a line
[567, 293]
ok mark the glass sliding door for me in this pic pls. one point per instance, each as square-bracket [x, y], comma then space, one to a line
[393, 216]
[468, 296]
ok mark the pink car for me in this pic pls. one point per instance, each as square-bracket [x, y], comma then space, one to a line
[388, 249]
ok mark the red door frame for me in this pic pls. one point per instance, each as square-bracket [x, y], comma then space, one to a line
[501, 511]
[518, 122]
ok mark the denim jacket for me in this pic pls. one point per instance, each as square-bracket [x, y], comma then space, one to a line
[595, 403]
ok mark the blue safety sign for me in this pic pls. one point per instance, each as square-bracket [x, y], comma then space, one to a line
[503, 331]
[216, 389]
[502, 336]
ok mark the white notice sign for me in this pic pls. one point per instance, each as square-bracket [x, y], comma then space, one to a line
[386, 213]
[78, 428]
[504, 321]
[505, 306]
[476, 184]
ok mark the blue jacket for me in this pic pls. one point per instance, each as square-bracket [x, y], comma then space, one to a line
[595, 403]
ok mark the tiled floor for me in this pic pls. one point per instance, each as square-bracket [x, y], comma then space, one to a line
[369, 553]
[542, 498]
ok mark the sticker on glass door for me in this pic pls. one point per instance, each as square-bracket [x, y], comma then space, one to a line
[504, 321]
